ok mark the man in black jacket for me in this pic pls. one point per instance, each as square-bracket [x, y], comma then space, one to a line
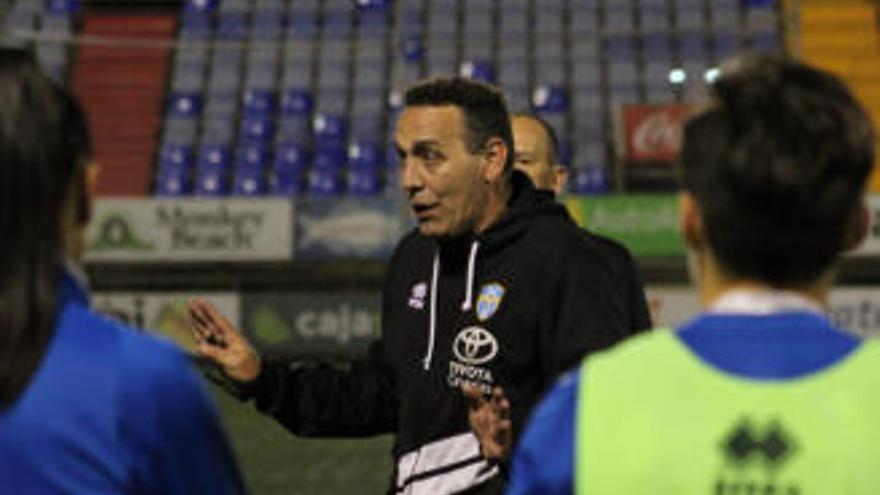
[496, 287]
[536, 154]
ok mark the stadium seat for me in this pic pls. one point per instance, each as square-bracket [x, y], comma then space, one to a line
[329, 129]
[324, 183]
[214, 157]
[259, 103]
[210, 182]
[480, 70]
[251, 156]
[185, 104]
[329, 158]
[250, 182]
[589, 180]
[550, 99]
[256, 129]
[364, 182]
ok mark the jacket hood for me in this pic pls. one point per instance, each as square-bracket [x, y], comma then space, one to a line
[526, 203]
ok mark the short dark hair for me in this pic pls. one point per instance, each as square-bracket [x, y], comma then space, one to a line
[552, 137]
[44, 145]
[778, 164]
[483, 106]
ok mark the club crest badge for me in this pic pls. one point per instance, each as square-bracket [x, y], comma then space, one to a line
[489, 300]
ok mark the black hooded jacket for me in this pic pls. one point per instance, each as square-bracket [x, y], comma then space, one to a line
[514, 306]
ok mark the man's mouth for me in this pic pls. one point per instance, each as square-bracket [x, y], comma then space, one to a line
[422, 211]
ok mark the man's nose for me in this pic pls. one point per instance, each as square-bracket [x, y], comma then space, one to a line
[410, 179]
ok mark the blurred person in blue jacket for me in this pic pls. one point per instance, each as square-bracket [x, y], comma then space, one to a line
[86, 404]
[760, 393]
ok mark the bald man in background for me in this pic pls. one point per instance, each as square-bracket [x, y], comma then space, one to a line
[537, 152]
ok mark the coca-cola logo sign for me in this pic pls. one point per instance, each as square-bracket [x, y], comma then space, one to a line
[653, 132]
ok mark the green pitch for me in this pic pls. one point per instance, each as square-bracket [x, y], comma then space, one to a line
[275, 462]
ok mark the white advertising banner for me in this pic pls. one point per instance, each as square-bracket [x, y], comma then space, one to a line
[852, 308]
[191, 230]
[163, 313]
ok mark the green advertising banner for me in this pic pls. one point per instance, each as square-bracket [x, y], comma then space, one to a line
[305, 325]
[646, 224]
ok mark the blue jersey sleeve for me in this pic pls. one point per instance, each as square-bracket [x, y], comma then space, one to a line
[544, 460]
[173, 432]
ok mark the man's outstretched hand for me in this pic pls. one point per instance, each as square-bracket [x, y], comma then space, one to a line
[490, 421]
[217, 340]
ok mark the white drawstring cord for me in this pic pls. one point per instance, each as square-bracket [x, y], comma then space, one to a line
[433, 324]
[469, 288]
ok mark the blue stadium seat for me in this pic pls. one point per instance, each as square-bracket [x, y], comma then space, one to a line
[296, 102]
[63, 7]
[287, 183]
[373, 5]
[214, 157]
[325, 183]
[251, 156]
[186, 105]
[211, 182]
[365, 155]
[364, 182]
[176, 157]
[257, 129]
[172, 183]
[413, 48]
[329, 157]
[259, 103]
[232, 26]
[550, 99]
[291, 156]
[250, 182]
[196, 26]
[201, 5]
[480, 70]
[329, 129]
[589, 180]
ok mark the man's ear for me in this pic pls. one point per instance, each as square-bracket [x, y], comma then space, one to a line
[495, 156]
[690, 221]
[560, 178]
[858, 230]
[89, 192]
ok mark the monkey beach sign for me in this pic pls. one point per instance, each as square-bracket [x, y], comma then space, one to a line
[190, 230]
